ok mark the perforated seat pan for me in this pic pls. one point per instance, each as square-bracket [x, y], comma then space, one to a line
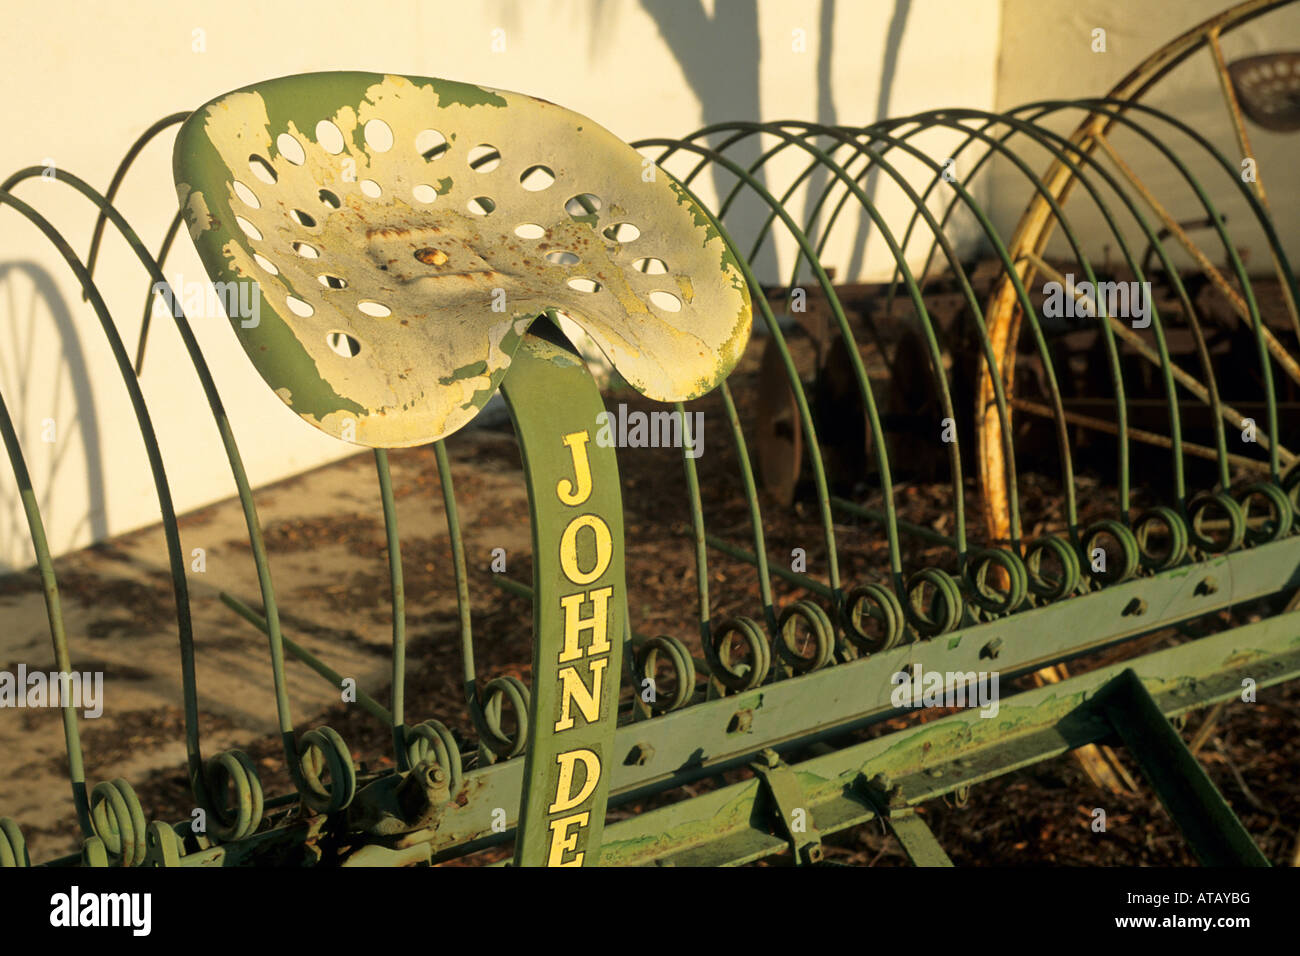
[390, 305]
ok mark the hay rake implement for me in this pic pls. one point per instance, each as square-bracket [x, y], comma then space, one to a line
[473, 225]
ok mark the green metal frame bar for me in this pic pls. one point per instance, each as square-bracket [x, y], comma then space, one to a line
[575, 506]
[1212, 830]
[931, 759]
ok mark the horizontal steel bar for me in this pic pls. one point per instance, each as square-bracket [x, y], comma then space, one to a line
[709, 737]
[925, 761]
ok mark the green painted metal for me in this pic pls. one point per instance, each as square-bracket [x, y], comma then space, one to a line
[419, 250]
[579, 610]
[1212, 830]
[784, 718]
[916, 839]
[929, 760]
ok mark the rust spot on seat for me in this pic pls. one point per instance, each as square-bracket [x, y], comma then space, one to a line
[431, 257]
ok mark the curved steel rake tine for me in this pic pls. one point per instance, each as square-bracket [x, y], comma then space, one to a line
[1238, 269]
[53, 612]
[452, 514]
[698, 533]
[1000, 146]
[120, 175]
[1044, 352]
[936, 358]
[875, 159]
[171, 531]
[1194, 324]
[774, 329]
[232, 453]
[147, 314]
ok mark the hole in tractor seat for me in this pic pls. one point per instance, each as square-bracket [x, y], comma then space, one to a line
[431, 257]
[484, 158]
[370, 188]
[650, 266]
[301, 218]
[250, 230]
[298, 307]
[581, 284]
[431, 144]
[529, 230]
[329, 198]
[379, 136]
[374, 309]
[582, 205]
[306, 250]
[344, 344]
[265, 263]
[622, 232]
[332, 282]
[246, 195]
[562, 259]
[262, 169]
[290, 149]
[537, 178]
[481, 206]
[424, 193]
[666, 301]
[330, 137]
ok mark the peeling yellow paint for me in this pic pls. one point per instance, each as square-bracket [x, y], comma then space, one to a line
[460, 288]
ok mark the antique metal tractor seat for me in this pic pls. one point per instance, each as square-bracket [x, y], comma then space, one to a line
[879, 615]
[401, 256]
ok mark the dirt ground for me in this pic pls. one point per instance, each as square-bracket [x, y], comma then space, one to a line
[325, 536]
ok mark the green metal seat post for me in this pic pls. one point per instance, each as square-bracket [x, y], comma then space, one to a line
[384, 243]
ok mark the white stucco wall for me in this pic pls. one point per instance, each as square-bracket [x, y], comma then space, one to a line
[1046, 52]
[83, 80]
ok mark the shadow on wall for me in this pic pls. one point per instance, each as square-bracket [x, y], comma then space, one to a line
[720, 57]
[32, 393]
[888, 69]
